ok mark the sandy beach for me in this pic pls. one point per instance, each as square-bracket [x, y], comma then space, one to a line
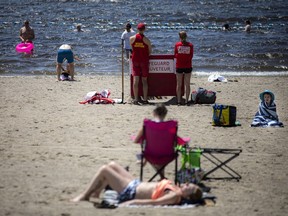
[51, 145]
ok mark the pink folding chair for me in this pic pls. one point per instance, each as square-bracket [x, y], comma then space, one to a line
[158, 145]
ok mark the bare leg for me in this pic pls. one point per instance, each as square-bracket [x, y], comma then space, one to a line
[145, 88]
[112, 174]
[179, 77]
[68, 69]
[187, 78]
[136, 87]
[71, 70]
[58, 71]
[127, 54]
[120, 170]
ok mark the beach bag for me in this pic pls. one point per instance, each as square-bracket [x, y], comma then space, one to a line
[203, 96]
[65, 76]
[224, 115]
[190, 171]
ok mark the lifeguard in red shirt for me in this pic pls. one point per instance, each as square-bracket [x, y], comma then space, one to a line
[141, 50]
[183, 53]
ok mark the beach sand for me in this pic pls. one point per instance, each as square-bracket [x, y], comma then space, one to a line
[51, 145]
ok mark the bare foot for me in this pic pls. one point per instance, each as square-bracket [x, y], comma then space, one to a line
[79, 198]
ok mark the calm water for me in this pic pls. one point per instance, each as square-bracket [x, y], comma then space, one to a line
[264, 51]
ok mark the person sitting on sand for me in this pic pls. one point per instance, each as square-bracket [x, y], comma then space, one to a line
[266, 115]
[133, 192]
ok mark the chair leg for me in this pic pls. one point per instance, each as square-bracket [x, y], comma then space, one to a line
[158, 173]
[176, 169]
[141, 168]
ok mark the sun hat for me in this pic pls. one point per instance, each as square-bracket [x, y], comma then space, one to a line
[261, 95]
[141, 26]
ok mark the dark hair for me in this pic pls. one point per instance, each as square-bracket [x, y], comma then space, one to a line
[226, 26]
[267, 93]
[197, 196]
[160, 110]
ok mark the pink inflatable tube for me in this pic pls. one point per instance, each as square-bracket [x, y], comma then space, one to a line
[25, 47]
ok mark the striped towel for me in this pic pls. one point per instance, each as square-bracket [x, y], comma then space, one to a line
[266, 116]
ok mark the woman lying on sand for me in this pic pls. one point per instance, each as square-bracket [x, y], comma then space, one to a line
[133, 192]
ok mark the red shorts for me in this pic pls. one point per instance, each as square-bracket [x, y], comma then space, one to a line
[140, 69]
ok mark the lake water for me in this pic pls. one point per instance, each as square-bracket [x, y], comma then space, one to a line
[263, 51]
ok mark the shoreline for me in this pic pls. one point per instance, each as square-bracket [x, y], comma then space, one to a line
[194, 73]
[51, 145]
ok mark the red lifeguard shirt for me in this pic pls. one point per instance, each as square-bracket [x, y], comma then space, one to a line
[183, 54]
[140, 49]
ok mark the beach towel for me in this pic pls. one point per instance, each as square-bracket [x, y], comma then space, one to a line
[110, 201]
[216, 77]
[266, 116]
[98, 98]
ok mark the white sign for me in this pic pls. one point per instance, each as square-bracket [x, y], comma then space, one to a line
[159, 66]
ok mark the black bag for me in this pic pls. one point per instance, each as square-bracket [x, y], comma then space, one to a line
[203, 96]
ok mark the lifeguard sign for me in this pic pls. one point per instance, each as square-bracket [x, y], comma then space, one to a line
[162, 77]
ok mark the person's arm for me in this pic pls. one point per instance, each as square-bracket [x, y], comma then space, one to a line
[32, 34]
[147, 41]
[122, 39]
[132, 39]
[170, 198]
[139, 136]
[77, 58]
[20, 35]
[192, 50]
[175, 51]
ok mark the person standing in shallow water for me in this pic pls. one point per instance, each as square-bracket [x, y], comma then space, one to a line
[141, 50]
[248, 26]
[79, 28]
[27, 33]
[125, 38]
[183, 53]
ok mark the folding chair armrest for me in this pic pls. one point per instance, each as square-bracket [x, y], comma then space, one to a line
[183, 140]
